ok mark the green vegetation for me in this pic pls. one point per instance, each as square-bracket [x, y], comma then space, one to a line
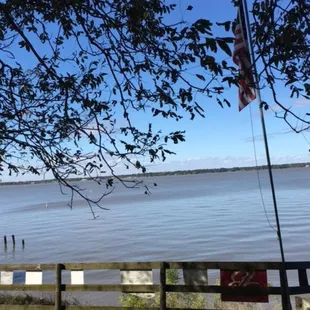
[191, 300]
[217, 170]
[174, 300]
[26, 299]
[166, 173]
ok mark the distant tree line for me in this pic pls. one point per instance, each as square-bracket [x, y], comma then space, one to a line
[217, 170]
[167, 173]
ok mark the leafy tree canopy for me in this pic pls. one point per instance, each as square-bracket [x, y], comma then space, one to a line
[83, 70]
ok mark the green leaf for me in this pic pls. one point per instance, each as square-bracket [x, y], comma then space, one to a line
[201, 77]
[227, 102]
[224, 47]
[199, 107]
[156, 112]
[226, 25]
[169, 152]
[220, 103]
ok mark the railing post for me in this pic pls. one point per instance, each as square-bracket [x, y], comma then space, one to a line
[58, 287]
[284, 286]
[302, 277]
[163, 286]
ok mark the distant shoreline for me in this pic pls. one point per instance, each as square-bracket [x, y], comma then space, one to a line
[166, 173]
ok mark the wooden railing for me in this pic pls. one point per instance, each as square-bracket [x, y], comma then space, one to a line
[162, 288]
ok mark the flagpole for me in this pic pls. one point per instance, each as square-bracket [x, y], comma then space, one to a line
[286, 303]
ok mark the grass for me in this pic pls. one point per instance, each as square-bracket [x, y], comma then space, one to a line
[174, 300]
[27, 299]
[187, 300]
[193, 300]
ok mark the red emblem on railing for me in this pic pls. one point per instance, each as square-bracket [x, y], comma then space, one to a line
[244, 279]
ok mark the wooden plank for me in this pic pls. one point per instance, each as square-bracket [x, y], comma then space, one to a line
[302, 277]
[192, 309]
[25, 288]
[163, 295]
[177, 265]
[225, 265]
[104, 308]
[122, 308]
[58, 287]
[296, 265]
[229, 290]
[130, 288]
[44, 307]
[284, 292]
[239, 265]
[156, 265]
[26, 307]
[154, 288]
[116, 265]
[28, 267]
[299, 290]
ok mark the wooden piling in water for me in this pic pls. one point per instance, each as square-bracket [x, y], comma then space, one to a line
[13, 240]
[5, 241]
[23, 243]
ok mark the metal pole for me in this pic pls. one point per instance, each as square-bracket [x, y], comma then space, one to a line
[285, 296]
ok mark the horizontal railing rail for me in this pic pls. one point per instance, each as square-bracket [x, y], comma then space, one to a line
[162, 288]
[156, 265]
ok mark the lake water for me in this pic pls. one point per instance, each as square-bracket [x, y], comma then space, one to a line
[206, 217]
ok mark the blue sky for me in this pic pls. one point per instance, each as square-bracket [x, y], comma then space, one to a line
[224, 137]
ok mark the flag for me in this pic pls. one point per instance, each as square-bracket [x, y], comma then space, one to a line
[241, 57]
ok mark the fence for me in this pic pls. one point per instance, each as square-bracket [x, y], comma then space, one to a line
[162, 288]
